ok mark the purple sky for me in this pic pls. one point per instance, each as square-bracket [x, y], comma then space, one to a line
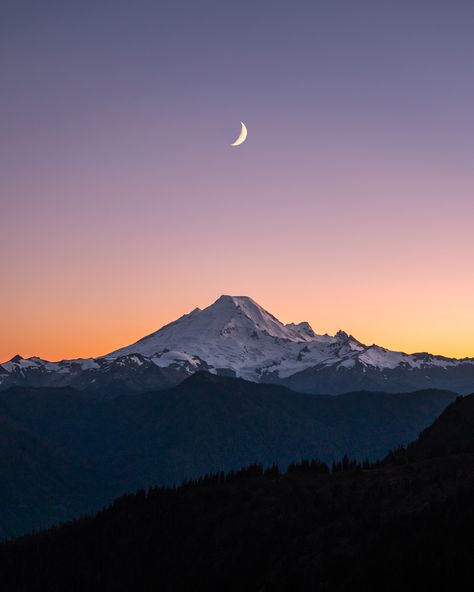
[123, 206]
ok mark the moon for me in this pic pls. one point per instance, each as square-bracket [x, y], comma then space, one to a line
[243, 135]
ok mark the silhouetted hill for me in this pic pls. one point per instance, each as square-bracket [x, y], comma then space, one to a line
[451, 433]
[206, 424]
[388, 526]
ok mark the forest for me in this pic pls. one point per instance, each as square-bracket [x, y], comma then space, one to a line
[402, 523]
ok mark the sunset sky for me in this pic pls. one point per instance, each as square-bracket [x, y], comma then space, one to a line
[122, 205]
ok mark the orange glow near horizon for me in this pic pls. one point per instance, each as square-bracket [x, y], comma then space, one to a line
[79, 291]
[399, 277]
[401, 323]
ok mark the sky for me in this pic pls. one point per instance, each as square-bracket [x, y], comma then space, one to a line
[123, 206]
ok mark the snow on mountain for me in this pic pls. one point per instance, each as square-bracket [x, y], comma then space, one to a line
[20, 365]
[234, 335]
[237, 334]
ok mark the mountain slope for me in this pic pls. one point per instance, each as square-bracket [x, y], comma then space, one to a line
[393, 526]
[236, 337]
[39, 483]
[205, 424]
[452, 433]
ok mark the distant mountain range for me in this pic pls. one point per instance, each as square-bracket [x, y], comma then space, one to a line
[63, 454]
[236, 337]
[405, 523]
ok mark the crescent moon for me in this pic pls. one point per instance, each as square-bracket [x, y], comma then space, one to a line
[243, 135]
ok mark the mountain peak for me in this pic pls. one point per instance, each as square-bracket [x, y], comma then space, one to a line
[227, 333]
[303, 328]
[16, 359]
[236, 300]
[242, 303]
[346, 337]
[257, 318]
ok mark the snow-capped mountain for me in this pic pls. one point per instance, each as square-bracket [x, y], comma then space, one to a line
[236, 336]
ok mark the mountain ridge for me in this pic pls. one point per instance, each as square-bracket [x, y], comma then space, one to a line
[236, 336]
[94, 449]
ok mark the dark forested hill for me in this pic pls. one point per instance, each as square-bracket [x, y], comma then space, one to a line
[396, 525]
[452, 433]
[94, 450]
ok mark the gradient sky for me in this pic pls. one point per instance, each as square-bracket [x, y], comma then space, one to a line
[351, 204]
